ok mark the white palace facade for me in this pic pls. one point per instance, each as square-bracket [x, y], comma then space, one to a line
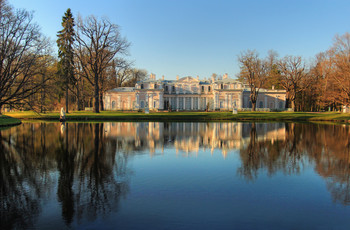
[191, 94]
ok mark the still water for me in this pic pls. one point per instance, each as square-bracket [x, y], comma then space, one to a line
[149, 175]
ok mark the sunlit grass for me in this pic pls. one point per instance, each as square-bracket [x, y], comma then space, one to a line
[8, 121]
[186, 116]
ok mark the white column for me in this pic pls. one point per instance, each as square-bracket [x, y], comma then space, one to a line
[177, 103]
[151, 101]
[199, 103]
[266, 105]
[214, 101]
[107, 101]
[137, 100]
[191, 103]
[240, 101]
[227, 101]
[276, 102]
[184, 103]
[161, 101]
[119, 102]
[147, 101]
[230, 101]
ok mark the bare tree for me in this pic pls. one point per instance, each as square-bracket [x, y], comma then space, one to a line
[272, 72]
[339, 59]
[123, 71]
[293, 75]
[21, 50]
[253, 72]
[135, 75]
[98, 43]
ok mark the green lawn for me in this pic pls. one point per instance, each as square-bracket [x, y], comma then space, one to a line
[186, 116]
[8, 121]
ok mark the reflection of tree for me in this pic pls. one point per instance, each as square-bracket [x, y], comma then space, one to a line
[101, 188]
[92, 175]
[21, 185]
[326, 146]
[281, 155]
[292, 152]
[333, 160]
[66, 165]
[251, 157]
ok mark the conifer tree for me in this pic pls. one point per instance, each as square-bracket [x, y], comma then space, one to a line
[65, 52]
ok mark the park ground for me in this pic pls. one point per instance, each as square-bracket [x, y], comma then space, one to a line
[14, 118]
[8, 121]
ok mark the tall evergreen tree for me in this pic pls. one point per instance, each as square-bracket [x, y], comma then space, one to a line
[65, 52]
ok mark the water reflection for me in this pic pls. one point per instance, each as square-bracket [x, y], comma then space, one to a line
[85, 165]
[189, 137]
[91, 173]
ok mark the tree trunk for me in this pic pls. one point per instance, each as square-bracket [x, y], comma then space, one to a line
[96, 95]
[83, 91]
[101, 102]
[78, 104]
[253, 98]
[67, 98]
[42, 94]
[253, 106]
[293, 104]
[78, 99]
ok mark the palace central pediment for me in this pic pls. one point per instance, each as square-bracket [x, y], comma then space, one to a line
[188, 80]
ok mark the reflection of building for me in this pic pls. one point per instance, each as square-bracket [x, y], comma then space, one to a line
[190, 94]
[189, 137]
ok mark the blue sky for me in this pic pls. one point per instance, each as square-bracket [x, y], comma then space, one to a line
[198, 37]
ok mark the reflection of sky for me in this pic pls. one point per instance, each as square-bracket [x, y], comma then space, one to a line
[205, 192]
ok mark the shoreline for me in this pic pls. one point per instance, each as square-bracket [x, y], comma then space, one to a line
[83, 116]
[8, 121]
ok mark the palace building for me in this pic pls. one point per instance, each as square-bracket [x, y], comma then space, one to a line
[191, 94]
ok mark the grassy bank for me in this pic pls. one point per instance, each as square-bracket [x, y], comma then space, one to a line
[186, 116]
[8, 121]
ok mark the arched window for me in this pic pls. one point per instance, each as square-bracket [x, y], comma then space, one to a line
[142, 104]
[155, 86]
[173, 89]
[166, 88]
[202, 88]
[141, 86]
[261, 104]
[113, 104]
[208, 88]
[221, 86]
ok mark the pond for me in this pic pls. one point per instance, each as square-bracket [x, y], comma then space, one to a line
[181, 175]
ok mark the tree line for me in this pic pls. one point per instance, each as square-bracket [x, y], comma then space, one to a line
[320, 85]
[92, 59]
